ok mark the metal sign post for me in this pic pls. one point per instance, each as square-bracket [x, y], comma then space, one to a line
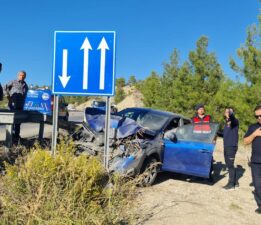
[107, 133]
[55, 124]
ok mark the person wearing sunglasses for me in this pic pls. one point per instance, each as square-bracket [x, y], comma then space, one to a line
[253, 136]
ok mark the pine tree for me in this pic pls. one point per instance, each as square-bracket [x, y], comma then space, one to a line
[207, 72]
[120, 94]
[170, 74]
[250, 55]
[151, 89]
[132, 80]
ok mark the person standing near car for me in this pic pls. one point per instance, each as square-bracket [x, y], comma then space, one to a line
[200, 116]
[230, 141]
[253, 136]
[202, 120]
[16, 91]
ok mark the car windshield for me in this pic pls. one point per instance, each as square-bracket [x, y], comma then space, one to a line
[204, 132]
[150, 120]
[99, 104]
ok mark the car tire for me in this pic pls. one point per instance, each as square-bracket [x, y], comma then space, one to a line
[149, 171]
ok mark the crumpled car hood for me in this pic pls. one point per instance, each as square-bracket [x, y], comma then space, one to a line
[124, 126]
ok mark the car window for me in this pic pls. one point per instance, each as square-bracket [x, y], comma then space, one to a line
[173, 124]
[130, 114]
[149, 120]
[204, 132]
[170, 130]
[152, 121]
[185, 121]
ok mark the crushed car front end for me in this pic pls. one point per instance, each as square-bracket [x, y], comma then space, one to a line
[129, 143]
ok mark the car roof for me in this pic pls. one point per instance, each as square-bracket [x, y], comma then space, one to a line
[166, 113]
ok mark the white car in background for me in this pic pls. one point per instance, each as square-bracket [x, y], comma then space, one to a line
[71, 107]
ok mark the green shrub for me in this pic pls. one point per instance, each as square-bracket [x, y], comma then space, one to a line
[41, 189]
[4, 103]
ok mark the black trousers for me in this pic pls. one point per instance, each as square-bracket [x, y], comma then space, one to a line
[229, 155]
[16, 103]
[256, 176]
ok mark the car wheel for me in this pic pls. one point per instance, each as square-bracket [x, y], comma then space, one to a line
[149, 171]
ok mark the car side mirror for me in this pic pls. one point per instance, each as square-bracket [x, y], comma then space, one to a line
[174, 138]
[171, 136]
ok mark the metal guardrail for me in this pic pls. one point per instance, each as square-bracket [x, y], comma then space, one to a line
[9, 118]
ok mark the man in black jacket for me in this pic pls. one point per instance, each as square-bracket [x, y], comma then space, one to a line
[230, 138]
[253, 136]
[16, 91]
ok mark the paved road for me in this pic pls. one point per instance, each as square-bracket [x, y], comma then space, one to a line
[32, 129]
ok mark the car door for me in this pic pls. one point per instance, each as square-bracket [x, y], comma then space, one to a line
[189, 151]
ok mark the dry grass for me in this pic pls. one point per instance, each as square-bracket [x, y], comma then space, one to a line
[41, 189]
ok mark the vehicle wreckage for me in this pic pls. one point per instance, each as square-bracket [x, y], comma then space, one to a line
[142, 139]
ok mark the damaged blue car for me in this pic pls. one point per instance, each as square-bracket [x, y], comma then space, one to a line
[146, 141]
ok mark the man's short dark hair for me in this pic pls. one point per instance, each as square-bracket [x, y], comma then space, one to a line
[257, 107]
[229, 107]
[198, 106]
[22, 71]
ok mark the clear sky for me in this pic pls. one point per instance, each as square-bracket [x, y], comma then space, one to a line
[147, 31]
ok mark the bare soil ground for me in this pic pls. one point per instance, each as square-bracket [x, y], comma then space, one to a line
[180, 199]
[133, 99]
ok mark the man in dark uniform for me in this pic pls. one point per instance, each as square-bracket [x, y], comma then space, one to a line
[230, 139]
[253, 136]
[16, 91]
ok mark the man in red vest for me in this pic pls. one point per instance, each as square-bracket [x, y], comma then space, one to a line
[202, 120]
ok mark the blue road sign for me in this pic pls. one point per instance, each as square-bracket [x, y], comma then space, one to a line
[84, 63]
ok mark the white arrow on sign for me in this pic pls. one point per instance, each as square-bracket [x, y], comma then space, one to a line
[103, 46]
[86, 46]
[64, 78]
